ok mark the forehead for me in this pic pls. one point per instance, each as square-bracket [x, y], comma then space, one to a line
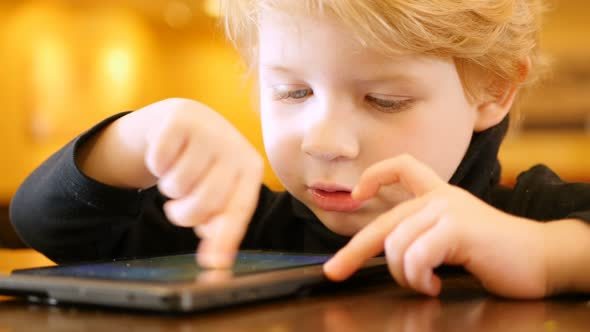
[304, 32]
[296, 43]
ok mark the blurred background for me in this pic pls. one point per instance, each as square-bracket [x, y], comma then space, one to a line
[67, 64]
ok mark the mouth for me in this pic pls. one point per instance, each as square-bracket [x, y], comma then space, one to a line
[332, 197]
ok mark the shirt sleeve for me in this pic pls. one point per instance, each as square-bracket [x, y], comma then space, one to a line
[541, 195]
[70, 217]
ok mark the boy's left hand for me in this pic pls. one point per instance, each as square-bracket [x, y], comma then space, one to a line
[444, 224]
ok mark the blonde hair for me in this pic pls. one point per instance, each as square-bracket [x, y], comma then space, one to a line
[492, 37]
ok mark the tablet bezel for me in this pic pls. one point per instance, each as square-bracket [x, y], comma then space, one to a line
[174, 297]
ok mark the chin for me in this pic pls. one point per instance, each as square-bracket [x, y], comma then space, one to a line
[341, 223]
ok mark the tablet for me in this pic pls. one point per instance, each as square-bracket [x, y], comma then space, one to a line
[176, 283]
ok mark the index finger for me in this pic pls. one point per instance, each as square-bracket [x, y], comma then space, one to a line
[412, 174]
[219, 251]
[369, 242]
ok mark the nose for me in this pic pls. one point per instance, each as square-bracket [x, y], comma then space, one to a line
[331, 135]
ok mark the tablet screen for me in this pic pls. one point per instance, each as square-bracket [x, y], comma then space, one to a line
[177, 268]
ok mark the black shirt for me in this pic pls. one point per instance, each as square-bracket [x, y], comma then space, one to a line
[69, 217]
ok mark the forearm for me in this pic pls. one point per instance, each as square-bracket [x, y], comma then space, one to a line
[62, 213]
[567, 247]
[115, 155]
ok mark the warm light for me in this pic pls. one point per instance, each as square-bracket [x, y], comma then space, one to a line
[118, 63]
[178, 14]
[49, 64]
[118, 52]
[51, 85]
[212, 8]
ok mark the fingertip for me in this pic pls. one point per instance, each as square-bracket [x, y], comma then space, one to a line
[437, 284]
[434, 286]
[333, 271]
[215, 260]
[355, 194]
[359, 194]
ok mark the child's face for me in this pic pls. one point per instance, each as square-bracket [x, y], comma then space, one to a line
[331, 108]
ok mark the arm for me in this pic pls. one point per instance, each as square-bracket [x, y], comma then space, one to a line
[564, 207]
[567, 248]
[513, 256]
[211, 174]
[68, 216]
[115, 154]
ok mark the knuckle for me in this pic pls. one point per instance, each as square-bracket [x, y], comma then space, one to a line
[152, 164]
[178, 112]
[176, 100]
[415, 256]
[164, 187]
[174, 120]
[393, 249]
[175, 215]
[395, 258]
[180, 104]
[155, 162]
[192, 212]
[406, 158]
[170, 187]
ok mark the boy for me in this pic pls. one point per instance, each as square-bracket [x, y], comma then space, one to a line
[382, 119]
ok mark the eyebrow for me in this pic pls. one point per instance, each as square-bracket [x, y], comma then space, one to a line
[278, 68]
[381, 78]
[385, 78]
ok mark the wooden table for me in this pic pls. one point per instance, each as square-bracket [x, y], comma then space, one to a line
[463, 306]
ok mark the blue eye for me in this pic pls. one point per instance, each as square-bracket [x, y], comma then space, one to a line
[283, 93]
[300, 94]
[388, 105]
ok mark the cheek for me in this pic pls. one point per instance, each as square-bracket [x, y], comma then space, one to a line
[437, 136]
[445, 138]
[282, 144]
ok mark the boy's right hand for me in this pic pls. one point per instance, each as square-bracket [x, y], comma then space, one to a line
[210, 172]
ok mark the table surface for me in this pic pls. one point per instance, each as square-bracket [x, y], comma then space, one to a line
[463, 306]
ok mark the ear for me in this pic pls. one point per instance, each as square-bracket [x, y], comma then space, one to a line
[503, 93]
[490, 113]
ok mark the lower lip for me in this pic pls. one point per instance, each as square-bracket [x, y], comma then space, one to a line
[339, 201]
